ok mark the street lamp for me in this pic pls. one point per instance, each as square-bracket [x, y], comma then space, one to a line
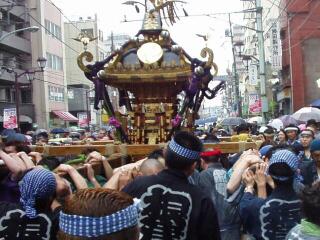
[28, 29]
[42, 62]
[246, 59]
[30, 74]
[239, 47]
[87, 106]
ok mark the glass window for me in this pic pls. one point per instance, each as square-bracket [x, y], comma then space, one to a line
[58, 32]
[51, 93]
[55, 94]
[60, 64]
[26, 96]
[52, 29]
[62, 94]
[49, 60]
[70, 94]
[88, 31]
[3, 96]
[54, 62]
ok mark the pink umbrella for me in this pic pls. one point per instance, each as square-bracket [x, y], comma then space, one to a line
[302, 127]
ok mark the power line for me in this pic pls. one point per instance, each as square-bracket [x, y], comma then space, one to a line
[284, 10]
[305, 19]
[272, 4]
[52, 34]
[72, 23]
[300, 26]
[199, 15]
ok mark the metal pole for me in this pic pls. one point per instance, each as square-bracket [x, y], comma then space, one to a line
[17, 99]
[88, 113]
[262, 64]
[235, 77]
[290, 57]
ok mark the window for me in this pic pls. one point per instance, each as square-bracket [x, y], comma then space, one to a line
[88, 31]
[56, 94]
[54, 62]
[26, 96]
[53, 29]
[59, 63]
[51, 93]
[70, 94]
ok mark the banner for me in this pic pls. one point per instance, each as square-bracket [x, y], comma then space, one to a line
[83, 120]
[10, 118]
[254, 103]
[253, 74]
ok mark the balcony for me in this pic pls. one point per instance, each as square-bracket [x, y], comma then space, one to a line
[9, 77]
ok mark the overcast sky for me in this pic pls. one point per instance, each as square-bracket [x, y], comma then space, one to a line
[111, 14]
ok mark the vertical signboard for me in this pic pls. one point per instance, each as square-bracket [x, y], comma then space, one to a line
[254, 104]
[10, 118]
[83, 120]
[253, 74]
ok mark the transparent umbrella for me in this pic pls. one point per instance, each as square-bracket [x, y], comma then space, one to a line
[307, 113]
[232, 121]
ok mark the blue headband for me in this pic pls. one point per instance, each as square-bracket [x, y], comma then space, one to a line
[36, 184]
[84, 226]
[287, 157]
[184, 152]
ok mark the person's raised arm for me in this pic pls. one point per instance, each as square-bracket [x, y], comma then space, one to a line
[108, 171]
[76, 177]
[15, 165]
[90, 175]
[261, 180]
[247, 158]
[26, 159]
[113, 182]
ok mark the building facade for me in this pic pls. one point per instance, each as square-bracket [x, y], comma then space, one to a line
[114, 41]
[50, 87]
[300, 35]
[272, 48]
[15, 56]
[80, 89]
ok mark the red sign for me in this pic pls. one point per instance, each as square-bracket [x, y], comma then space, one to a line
[10, 118]
[255, 105]
[83, 120]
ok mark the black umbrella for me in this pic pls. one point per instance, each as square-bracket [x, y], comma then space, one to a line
[58, 130]
[232, 121]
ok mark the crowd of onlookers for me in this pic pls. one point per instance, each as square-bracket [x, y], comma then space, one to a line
[180, 192]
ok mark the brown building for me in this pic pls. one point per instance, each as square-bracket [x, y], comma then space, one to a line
[300, 34]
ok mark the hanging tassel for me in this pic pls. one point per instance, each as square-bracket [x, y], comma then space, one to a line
[137, 8]
[185, 12]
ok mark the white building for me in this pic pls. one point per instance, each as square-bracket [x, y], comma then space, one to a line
[114, 41]
[272, 46]
[80, 89]
[49, 87]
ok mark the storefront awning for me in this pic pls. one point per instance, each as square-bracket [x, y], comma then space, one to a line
[65, 116]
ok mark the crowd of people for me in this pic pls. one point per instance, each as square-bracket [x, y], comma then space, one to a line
[180, 192]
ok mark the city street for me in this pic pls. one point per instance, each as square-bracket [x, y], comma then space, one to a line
[160, 119]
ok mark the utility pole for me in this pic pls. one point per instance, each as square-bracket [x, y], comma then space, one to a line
[262, 63]
[88, 111]
[235, 74]
[17, 92]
